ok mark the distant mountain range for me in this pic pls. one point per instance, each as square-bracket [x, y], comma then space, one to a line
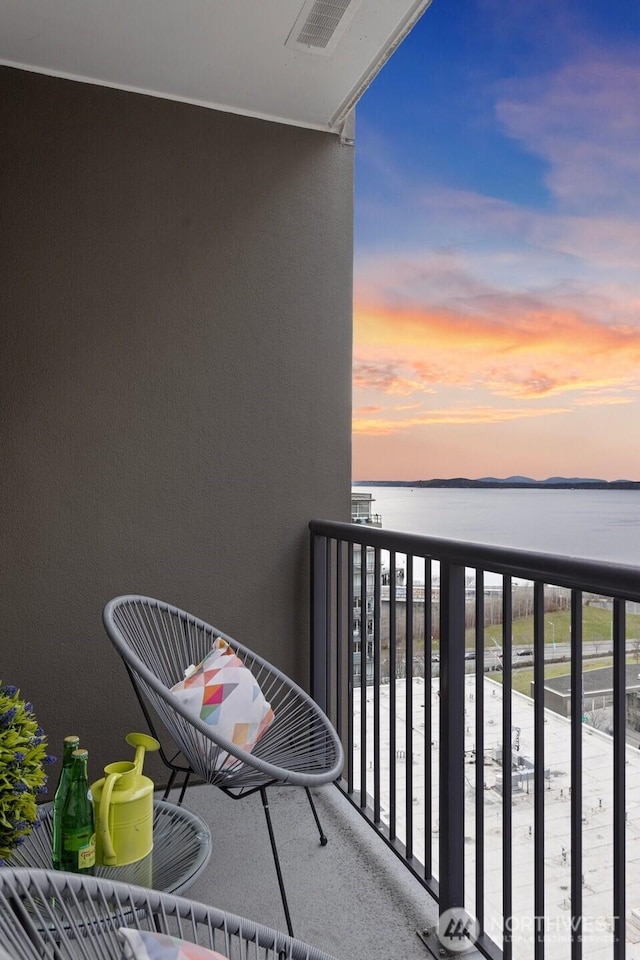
[555, 483]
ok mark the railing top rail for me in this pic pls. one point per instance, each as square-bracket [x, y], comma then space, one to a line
[591, 576]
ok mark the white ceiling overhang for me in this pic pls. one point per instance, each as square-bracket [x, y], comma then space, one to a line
[297, 62]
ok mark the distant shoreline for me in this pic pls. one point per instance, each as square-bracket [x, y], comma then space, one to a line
[512, 484]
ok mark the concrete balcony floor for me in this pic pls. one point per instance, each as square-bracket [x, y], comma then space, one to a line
[352, 898]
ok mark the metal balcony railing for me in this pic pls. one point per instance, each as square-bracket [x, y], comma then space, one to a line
[526, 821]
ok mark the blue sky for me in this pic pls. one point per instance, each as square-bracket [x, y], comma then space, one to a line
[497, 290]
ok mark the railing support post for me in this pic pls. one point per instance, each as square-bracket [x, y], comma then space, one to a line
[452, 663]
[319, 620]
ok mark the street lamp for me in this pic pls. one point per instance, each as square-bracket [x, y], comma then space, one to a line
[553, 635]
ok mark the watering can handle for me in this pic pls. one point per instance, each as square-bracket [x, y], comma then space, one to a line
[108, 851]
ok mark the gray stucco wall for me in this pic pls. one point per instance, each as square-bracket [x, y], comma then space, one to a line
[175, 371]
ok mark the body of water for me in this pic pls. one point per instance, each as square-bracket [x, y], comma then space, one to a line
[596, 524]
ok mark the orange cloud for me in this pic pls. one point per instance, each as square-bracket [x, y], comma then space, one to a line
[381, 426]
[386, 378]
[514, 346]
[538, 384]
[596, 400]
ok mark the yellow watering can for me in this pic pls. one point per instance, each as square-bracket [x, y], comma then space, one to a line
[123, 807]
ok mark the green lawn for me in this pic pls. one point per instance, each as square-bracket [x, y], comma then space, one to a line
[596, 626]
[521, 678]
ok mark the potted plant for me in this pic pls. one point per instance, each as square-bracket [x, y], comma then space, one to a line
[23, 756]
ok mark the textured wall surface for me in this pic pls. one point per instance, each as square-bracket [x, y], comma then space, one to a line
[175, 366]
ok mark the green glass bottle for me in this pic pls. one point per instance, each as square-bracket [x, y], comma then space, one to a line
[70, 744]
[78, 850]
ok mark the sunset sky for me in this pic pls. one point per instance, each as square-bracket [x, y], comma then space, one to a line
[497, 263]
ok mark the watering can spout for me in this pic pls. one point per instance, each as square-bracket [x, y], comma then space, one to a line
[141, 742]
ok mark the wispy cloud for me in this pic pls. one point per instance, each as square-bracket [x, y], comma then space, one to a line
[597, 400]
[381, 426]
[583, 121]
[366, 411]
[387, 378]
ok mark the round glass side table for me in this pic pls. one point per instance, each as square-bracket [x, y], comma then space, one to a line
[181, 850]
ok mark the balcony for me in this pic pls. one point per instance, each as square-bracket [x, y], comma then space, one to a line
[545, 852]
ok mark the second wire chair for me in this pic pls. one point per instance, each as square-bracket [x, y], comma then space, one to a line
[300, 748]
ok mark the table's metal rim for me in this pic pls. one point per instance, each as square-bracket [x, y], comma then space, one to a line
[201, 829]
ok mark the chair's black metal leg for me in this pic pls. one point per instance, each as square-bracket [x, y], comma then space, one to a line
[265, 806]
[169, 785]
[323, 839]
[184, 787]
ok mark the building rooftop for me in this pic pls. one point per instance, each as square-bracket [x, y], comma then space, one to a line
[597, 815]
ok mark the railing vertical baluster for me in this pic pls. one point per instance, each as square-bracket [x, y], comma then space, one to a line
[451, 792]
[619, 778]
[577, 710]
[507, 724]
[320, 625]
[392, 695]
[339, 636]
[538, 767]
[409, 708]
[363, 675]
[328, 647]
[479, 719]
[376, 687]
[428, 724]
[350, 658]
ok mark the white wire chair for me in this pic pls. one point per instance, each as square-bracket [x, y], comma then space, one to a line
[300, 748]
[48, 915]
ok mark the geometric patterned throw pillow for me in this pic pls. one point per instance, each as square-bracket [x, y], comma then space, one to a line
[224, 694]
[145, 945]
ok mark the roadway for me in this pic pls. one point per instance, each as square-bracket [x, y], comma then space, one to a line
[523, 656]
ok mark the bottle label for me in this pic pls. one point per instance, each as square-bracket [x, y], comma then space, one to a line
[87, 854]
[81, 847]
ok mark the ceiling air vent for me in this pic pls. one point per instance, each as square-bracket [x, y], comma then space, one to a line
[320, 25]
